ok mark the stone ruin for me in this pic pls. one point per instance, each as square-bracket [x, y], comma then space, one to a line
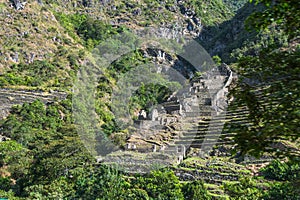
[204, 95]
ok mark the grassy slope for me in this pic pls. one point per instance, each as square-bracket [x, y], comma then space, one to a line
[32, 31]
[35, 34]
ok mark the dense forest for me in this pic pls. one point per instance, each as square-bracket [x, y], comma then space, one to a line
[46, 44]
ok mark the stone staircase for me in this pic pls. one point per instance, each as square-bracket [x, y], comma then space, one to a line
[200, 120]
[200, 148]
[202, 134]
[202, 123]
[206, 138]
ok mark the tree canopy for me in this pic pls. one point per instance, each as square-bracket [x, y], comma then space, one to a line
[269, 86]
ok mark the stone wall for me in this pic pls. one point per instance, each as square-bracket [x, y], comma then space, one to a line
[219, 100]
[10, 97]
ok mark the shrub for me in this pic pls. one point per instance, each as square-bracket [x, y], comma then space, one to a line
[283, 191]
[32, 74]
[246, 189]
[161, 185]
[90, 30]
[281, 171]
[195, 191]
[150, 94]
[5, 183]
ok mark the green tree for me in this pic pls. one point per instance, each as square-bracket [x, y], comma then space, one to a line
[8, 150]
[149, 95]
[195, 191]
[284, 191]
[9, 195]
[287, 176]
[284, 13]
[281, 171]
[268, 86]
[58, 189]
[5, 183]
[161, 185]
[100, 183]
[245, 189]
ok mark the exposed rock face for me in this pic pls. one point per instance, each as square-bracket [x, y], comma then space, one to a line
[3, 138]
[18, 4]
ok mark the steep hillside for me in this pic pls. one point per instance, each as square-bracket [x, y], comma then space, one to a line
[221, 40]
[55, 32]
[153, 123]
[36, 51]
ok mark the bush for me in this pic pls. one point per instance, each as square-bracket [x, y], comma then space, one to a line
[161, 185]
[281, 171]
[101, 182]
[5, 183]
[8, 151]
[90, 30]
[8, 195]
[218, 11]
[33, 74]
[282, 191]
[246, 189]
[195, 191]
[148, 95]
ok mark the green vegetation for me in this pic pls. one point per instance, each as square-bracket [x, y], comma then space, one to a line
[126, 63]
[273, 99]
[245, 189]
[33, 74]
[44, 146]
[282, 13]
[283, 183]
[205, 9]
[52, 163]
[195, 191]
[2, 7]
[287, 174]
[161, 185]
[149, 95]
[90, 30]
[230, 35]
[269, 88]
[44, 157]
[281, 171]
[235, 5]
